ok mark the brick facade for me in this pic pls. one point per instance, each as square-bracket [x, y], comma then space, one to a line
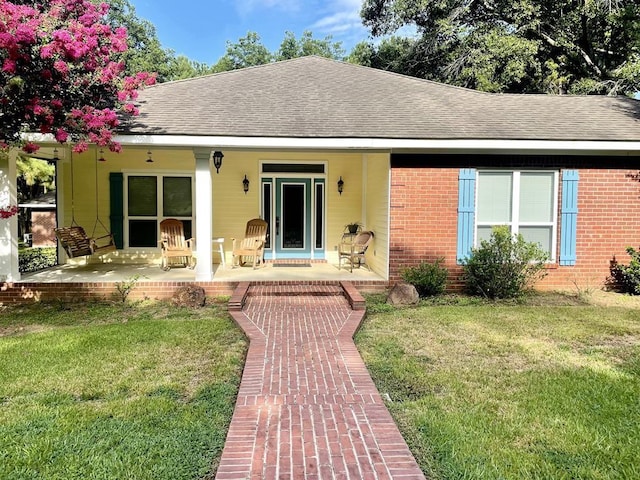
[424, 203]
[43, 223]
[26, 292]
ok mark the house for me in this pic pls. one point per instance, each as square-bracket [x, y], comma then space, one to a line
[428, 167]
[41, 212]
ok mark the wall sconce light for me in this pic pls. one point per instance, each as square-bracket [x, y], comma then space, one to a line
[340, 185]
[55, 154]
[149, 159]
[101, 157]
[245, 184]
[217, 160]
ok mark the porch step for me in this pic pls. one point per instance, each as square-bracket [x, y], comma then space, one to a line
[262, 289]
[236, 302]
[276, 290]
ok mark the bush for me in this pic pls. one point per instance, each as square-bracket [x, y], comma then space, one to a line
[428, 278]
[33, 259]
[504, 266]
[626, 278]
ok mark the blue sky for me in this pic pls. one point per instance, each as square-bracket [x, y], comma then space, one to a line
[199, 29]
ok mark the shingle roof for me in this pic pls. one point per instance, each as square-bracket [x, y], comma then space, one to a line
[313, 97]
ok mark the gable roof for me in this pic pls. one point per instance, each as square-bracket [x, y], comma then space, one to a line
[314, 97]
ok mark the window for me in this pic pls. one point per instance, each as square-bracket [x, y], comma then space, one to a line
[526, 201]
[151, 199]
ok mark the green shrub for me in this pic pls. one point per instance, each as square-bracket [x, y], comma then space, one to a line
[504, 266]
[626, 278]
[428, 278]
[33, 259]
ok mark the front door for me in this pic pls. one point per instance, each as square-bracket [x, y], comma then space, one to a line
[293, 219]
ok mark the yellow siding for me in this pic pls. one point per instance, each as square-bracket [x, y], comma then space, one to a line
[377, 211]
[364, 199]
[232, 208]
[85, 199]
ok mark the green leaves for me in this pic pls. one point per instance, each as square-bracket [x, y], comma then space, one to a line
[517, 45]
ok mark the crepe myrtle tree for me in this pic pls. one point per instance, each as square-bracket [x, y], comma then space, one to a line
[60, 73]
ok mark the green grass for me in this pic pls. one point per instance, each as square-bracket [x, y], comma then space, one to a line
[99, 391]
[497, 391]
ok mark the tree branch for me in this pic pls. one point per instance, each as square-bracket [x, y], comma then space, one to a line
[582, 53]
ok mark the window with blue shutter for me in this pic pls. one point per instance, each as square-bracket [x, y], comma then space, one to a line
[569, 215]
[466, 212]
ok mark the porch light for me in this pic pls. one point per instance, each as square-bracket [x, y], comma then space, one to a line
[55, 154]
[245, 184]
[340, 185]
[101, 157]
[217, 160]
[149, 159]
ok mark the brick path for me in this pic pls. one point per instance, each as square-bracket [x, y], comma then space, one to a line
[307, 407]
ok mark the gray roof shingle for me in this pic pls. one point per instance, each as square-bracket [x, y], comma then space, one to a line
[313, 97]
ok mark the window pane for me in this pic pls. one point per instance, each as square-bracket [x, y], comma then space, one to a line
[541, 235]
[484, 233]
[293, 209]
[176, 197]
[143, 196]
[143, 233]
[494, 197]
[536, 197]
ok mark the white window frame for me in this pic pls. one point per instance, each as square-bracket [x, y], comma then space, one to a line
[159, 217]
[515, 223]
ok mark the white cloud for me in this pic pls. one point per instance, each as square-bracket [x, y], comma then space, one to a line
[341, 18]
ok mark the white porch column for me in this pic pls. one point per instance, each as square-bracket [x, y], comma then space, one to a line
[9, 226]
[203, 214]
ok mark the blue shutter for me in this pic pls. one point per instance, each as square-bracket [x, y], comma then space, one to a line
[466, 212]
[569, 214]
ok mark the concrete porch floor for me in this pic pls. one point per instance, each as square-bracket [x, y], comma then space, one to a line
[117, 272]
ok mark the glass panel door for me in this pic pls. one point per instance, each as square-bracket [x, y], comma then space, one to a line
[293, 218]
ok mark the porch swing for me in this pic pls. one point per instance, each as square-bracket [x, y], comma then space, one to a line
[74, 239]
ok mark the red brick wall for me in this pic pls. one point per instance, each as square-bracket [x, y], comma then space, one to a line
[43, 223]
[26, 292]
[424, 203]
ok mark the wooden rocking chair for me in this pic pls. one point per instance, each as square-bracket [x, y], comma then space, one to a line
[76, 243]
[353, 251]
[174, 245]
[253, 243]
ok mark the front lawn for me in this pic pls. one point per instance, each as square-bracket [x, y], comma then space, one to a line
[143, 391]
[512, 391]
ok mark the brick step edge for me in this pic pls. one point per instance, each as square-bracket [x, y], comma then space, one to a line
[295, 290]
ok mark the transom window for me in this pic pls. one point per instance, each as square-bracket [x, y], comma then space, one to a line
[526, 201]
[152, 198]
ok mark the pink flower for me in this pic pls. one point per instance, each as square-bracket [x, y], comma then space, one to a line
[9, 66]
[61, 66]
[80, 147]
[8, 212]
[30, 147]
[61, 135]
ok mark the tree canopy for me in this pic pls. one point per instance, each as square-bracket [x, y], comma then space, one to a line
[554, 46]
[249, 51]
[60, 73]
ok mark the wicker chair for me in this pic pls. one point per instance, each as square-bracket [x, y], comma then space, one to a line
[353, 251]
[252, 245]
[174, 245]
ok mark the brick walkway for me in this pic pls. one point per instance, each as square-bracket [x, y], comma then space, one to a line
[307, 407]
